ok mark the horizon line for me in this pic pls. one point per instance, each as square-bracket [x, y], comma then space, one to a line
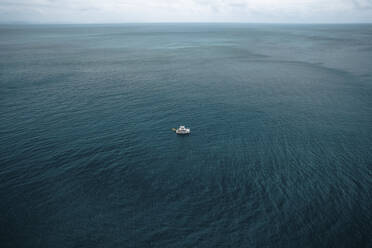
[161, 22]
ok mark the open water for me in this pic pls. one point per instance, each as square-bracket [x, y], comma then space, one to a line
[279, 155]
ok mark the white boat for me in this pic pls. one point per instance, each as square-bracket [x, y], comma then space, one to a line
[182, 130]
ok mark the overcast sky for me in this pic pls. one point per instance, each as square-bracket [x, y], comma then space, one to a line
[119, 11]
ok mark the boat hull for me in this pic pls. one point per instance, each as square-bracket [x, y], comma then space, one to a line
[182, 133]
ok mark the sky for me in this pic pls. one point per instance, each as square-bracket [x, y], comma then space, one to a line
[124, 11]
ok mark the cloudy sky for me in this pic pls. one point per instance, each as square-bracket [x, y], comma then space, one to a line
[119, 11]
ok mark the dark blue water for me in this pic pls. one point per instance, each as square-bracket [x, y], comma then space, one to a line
[279, 156]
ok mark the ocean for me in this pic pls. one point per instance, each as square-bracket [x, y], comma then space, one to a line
[279, 153]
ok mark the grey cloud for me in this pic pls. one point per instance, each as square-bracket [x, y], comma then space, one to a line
[238, 5]
[362, 4]
[186, 10]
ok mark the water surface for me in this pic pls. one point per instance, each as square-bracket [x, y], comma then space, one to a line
[279, 155]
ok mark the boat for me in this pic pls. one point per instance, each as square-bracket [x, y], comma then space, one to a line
[182, 130]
